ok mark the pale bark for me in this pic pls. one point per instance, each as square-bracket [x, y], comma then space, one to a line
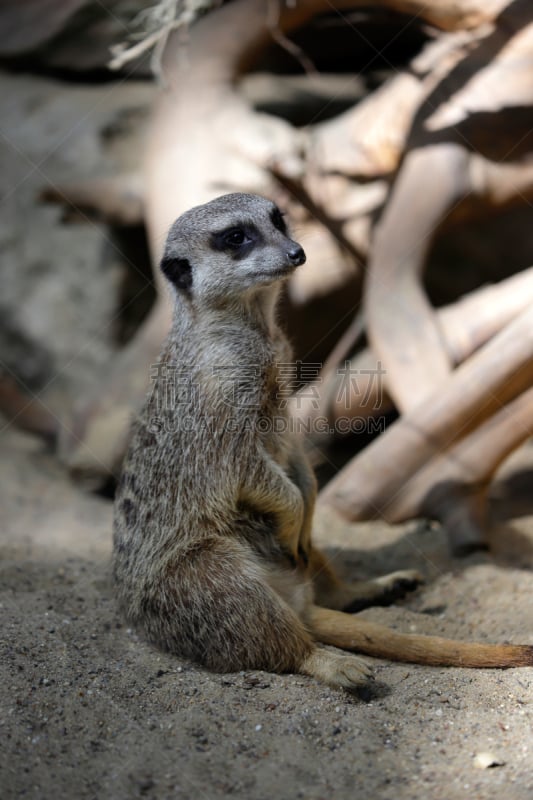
[496, 374]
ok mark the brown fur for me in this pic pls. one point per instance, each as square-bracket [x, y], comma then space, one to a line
[213, 557]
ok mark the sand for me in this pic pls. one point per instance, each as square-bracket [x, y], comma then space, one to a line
[90, 710]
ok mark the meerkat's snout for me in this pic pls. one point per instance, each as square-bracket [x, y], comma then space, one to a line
[296, 255]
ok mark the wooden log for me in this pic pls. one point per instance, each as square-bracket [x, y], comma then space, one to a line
[466, 325]
[472, 320]
[452, 487]
[437, 174]
[93, 442]
[402, 326]
[117, 200]
[369, 139]
[493, 376]
[25, 410]
[204, 141]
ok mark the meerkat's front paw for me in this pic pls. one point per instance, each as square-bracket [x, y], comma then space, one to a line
[339, 670]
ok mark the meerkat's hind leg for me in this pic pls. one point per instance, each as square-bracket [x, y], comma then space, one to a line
[222, 609]
[380, 591]
[217, 605]
[331, 592]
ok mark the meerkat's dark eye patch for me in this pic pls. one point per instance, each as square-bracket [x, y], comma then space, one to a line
[178, 271]
[276, 217]
[237, 240]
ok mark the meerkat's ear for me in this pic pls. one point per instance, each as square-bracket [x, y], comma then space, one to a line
[178, 271]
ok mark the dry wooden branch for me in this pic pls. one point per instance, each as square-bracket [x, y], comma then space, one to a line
[402, 326]
[437, 174]
[206, 134]
[416, 347]
[452, 487]
[94, 441]
[117, 200]
[449, 15]
[368, 140]
[25, 411]
[465, 326]
[475, 318]
[205, 140]
[493, 376]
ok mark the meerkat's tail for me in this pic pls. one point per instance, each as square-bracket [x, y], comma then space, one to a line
[353, 633]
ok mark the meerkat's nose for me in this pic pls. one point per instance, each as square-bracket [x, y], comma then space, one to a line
[296, 255]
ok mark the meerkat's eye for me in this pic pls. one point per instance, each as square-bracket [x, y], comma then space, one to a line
[237, 240]
[235, 237]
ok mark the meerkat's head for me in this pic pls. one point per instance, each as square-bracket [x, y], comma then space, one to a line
[232, 246]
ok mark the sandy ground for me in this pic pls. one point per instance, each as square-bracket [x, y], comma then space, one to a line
[89, 710]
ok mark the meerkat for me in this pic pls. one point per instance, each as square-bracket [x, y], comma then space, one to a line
[213, 558]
